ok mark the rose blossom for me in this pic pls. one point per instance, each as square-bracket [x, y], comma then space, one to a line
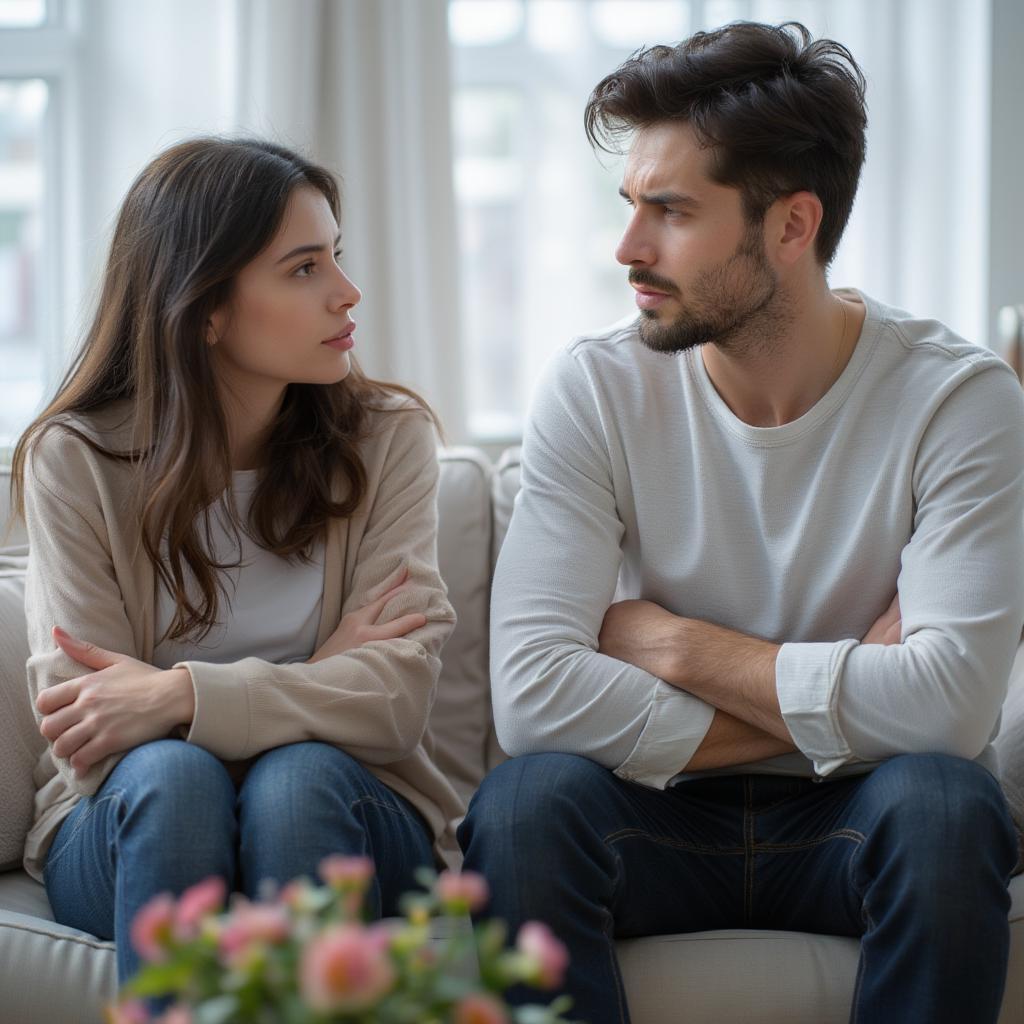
[461, 893]
[131, 1012]
[152, 928]
[249, 925]
[344, 968]
[548, 957]
[175, 1015]
[201, 900]
[345, 873]
[480, 1008]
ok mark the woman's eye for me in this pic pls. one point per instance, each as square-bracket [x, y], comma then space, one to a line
[305, 270]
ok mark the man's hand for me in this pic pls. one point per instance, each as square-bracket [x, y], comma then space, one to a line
[120, 705]
[887, 627]
[361, 626]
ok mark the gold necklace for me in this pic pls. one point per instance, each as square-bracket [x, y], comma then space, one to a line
[833, 376]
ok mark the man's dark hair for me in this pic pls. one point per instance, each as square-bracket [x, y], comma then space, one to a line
[781, 112]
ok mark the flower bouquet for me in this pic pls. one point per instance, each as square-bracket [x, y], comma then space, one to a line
[304, 955]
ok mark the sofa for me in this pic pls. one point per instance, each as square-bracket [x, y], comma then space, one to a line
[50, 974]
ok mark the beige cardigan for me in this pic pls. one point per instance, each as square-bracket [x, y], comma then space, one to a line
[88, 573]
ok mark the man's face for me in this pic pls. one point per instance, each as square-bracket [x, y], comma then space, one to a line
[699, 269]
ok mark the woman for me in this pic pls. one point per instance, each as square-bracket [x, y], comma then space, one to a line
[233, 602]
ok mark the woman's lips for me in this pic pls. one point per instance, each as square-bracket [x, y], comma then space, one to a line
[342, 342]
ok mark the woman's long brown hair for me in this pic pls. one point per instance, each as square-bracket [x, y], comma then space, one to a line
[190, 222]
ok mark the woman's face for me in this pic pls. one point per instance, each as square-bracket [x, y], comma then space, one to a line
[288, 319]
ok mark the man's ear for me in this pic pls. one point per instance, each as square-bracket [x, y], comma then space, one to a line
[793, 222]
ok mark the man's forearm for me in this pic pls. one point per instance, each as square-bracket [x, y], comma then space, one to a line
[732, 672]
[731, 741]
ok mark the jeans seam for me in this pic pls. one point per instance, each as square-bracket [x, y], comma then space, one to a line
[804, 844]
[394, 808]
[679, 844]
[748, 851]
[609, 935]
[53, 857]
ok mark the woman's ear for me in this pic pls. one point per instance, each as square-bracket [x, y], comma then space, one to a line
[215, 327]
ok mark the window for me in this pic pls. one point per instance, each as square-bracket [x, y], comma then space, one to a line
[539, 213]
[34, 69]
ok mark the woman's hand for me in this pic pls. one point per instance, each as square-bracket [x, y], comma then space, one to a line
[120, 705]
[359, 627]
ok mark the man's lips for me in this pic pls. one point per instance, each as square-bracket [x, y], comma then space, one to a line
[649, 298]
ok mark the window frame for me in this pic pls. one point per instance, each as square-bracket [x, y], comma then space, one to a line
[50, 52]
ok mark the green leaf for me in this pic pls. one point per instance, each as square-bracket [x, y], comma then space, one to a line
[160, 979]
[427, 877]
[218, 1010]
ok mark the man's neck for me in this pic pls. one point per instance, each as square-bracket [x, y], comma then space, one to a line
[768, 382]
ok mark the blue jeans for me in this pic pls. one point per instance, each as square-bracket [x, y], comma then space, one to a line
[913, 858]
[168, 815]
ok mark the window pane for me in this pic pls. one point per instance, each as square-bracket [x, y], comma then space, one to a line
[22, 110]
[628, 24]
[484, 22]
[22, 13]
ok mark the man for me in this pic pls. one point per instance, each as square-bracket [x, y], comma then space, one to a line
[755, 615]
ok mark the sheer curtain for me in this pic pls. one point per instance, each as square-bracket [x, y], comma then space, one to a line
[362, 87]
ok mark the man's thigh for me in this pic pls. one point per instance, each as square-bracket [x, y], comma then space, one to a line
[916, 821]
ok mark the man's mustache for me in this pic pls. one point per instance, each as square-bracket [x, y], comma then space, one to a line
[645, 278]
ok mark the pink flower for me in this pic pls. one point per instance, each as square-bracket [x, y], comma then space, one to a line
[462, 893]
[344, 969]
[480, 1008]
[152, 928]
[251, 925]
[547, 957]
[201, 900]
[175, 1015]
[131, 1012]
[346, 873]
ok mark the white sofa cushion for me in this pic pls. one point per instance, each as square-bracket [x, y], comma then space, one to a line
[20, 744]
[460, 720]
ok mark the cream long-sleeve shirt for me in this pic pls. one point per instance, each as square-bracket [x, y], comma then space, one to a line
[88, 573]
[639, 482]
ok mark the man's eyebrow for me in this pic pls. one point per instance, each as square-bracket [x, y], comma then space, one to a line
[299, 250]
[662, 198]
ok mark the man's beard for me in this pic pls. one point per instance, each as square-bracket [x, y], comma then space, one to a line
[734, 305]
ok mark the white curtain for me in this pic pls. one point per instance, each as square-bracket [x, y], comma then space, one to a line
[363, 86]
[360, 86]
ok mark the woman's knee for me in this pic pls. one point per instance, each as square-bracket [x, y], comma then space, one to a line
[289, 777]
[172, 773]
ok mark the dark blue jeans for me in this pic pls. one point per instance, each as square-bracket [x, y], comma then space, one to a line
[168, 815]
[914, 858]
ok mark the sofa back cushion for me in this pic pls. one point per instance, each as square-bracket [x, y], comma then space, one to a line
[20, 742]
[460, 721]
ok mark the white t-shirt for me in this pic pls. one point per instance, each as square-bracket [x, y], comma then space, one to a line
[270, 608]
[638, 481]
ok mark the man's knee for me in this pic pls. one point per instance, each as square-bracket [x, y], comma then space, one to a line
[534, 800]
[943, 811]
